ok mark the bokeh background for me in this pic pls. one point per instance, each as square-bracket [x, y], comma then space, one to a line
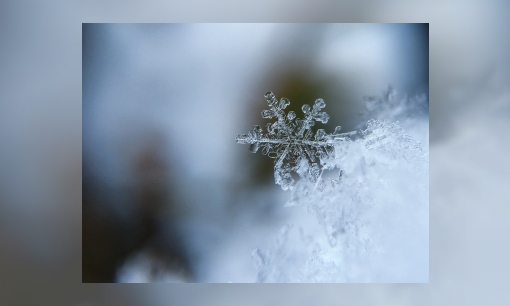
[41, 147]
[165, 184]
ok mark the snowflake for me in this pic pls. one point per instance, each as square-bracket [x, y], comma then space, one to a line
[291, 142]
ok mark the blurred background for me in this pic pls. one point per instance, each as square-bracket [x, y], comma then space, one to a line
[41, 151]
[168, 194]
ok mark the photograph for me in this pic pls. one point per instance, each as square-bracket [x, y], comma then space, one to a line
[354, 152]
[255, 153]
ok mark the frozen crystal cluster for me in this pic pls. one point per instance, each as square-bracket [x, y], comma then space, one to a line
[393, 106]
[364, 195]
[291, 142]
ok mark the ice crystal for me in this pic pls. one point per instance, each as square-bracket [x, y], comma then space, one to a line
[368, 223]
[393, 106]
[292, 143]
[365, 221]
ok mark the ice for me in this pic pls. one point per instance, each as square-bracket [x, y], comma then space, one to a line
[291, 142]
[267, 114]
[306, 108]
[284, 102]
[319, 103]
[291, 115]
[367, 221]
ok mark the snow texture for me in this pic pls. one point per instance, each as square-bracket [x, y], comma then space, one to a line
[364, 194]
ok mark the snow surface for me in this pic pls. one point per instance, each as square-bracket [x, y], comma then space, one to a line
[368, 222]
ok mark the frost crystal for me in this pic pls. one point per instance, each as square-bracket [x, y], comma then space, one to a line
[291, 142]
[368, 222]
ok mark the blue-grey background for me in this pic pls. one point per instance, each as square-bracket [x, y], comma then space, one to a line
[40, 120]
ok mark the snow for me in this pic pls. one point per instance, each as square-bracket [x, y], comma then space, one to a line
[369, 222]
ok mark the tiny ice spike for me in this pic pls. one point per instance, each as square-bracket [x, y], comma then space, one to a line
[291, 141]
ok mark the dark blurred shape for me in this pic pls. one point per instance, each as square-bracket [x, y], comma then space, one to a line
[109, 238]
[132, 214]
